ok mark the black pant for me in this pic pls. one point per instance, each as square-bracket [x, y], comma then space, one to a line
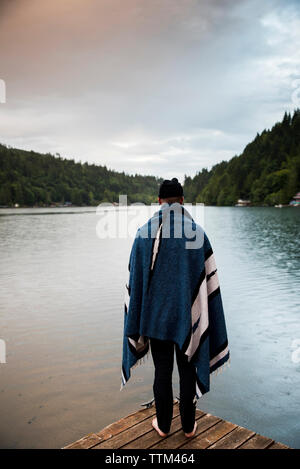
[163, 359]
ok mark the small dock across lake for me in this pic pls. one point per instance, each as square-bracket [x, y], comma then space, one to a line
[135, 432]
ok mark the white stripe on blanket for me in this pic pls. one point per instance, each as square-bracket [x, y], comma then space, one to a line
[156, 246]
[199, 310]
[218, 357]
[126, 297]
[212, 284]
[123, 379]
[140, 345]
[198, 392]
[210, 264]
[200, 305]
[213, 281]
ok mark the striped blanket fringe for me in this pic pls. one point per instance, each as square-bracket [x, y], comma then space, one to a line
[221, 368]
[139, 362]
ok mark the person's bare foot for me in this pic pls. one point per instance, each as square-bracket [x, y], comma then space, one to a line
[155, 426]
[189, 435]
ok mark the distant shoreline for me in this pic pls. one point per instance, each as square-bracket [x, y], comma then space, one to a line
[116, 205]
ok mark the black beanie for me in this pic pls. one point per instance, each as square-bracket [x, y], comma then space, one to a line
[171, 188]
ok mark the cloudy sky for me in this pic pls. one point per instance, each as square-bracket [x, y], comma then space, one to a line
[163, 87]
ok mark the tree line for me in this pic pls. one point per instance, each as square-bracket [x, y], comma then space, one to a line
[29, 178]
[266, 173]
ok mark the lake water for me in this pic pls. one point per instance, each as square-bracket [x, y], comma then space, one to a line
[61, 316]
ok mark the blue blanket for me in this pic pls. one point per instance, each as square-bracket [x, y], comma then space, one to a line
[173, 294]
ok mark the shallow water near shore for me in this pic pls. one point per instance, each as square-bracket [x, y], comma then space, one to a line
[61, 316]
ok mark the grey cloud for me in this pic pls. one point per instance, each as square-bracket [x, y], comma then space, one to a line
[81, 75]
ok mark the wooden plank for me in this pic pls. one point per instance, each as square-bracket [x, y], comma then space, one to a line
[126, 436]
[234, 439]
[277, 445]
[127, 422]
[257, 442]
[84, 443]
[210, 436]
[151, 438]
[113, 429]
[179, 438]
[135, 432]
[130, 434]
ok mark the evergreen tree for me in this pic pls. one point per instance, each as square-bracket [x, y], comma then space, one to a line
[30, 178]
[267, 172]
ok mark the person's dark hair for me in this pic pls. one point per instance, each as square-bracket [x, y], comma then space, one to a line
[169, 189]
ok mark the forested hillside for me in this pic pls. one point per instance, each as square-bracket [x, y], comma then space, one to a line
[267, 172]
[29, 178]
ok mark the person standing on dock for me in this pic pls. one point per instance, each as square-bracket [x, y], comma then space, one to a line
[174, 303]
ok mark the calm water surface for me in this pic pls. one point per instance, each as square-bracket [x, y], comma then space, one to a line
[61, 316]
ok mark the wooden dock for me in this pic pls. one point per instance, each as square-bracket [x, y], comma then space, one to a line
[135, 432]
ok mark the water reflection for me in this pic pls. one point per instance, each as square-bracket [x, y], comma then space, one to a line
[61, 295]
